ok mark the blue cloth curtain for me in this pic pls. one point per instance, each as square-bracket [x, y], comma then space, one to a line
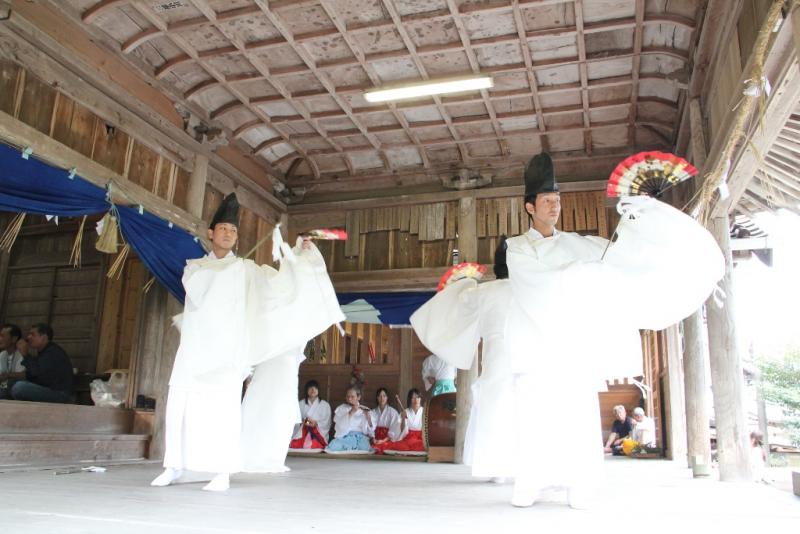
[32, 186]
[388, 308]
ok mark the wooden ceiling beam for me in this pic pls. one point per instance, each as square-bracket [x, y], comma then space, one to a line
[637, 60]
[473, 63]
[355, 49]
[403, 32]
[91, 14]
[577, 7]
[188, 50]
[533, 85]
[321, 77]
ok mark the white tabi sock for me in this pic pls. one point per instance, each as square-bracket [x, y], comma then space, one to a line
[221, 482]
[166, 478]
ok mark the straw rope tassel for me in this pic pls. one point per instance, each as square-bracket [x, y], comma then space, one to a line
[11, 233]
[116, 268]
[75, 256]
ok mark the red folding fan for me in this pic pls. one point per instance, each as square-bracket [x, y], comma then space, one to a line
[460, 271]
[648, 173]
[326, 233]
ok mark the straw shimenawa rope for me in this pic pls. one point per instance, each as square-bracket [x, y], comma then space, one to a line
[744, 110]
[75, 256]
[11, 233]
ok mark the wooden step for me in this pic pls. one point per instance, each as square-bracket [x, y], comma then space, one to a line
[49, 418]
[30, 448]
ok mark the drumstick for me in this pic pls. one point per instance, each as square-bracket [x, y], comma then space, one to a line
[397, 397]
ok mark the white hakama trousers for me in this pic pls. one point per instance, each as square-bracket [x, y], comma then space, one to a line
[203, 427]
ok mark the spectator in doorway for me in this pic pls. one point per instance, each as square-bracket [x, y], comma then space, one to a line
[11, 368]
[48, 372]
[620, 430]
[644, 430]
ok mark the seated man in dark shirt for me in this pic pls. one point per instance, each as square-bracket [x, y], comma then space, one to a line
[48, 374]
[621, 429]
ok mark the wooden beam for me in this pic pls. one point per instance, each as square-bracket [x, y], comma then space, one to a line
[89, 86]
[427, 198]
[19, 134]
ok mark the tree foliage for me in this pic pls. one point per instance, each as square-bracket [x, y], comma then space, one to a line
[780, 384]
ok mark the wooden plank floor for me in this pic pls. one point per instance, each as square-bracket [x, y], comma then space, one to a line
[386, 497]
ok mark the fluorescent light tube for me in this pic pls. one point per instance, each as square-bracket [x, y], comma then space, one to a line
[433, 87]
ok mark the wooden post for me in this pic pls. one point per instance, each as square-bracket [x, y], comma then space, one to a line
[695, 353]
[169, 349]
[698, 437]
[468, 247]
[727, 383]
[196, 191]
[675, 415]
[406, 357]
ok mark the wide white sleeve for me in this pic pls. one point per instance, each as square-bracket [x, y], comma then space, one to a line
[394, 425]
[341, 420]
[324, 418]
[448, 324]
[291, 305]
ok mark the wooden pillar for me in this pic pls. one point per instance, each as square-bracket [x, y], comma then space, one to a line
[695, 353]
[698, 436]
[196, 191]
[468, 247]
[675, 415]
[727, 383]
[406, 360]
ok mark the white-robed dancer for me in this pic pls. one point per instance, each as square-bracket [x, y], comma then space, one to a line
[315, 420]
[263, 313]
[466, 313]
[270, 409]
[573, 320]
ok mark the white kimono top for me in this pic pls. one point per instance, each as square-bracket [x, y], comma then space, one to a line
[319, 411]
[388, 418]
[414, 421]
[645, 432]
[345, 423]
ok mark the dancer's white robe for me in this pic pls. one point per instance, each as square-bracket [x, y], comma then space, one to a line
[261, 314]
[319, 411]
[573, 321]
[472, 312]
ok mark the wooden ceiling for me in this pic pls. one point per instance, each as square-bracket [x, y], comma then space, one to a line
[776, 183]
[286, 78]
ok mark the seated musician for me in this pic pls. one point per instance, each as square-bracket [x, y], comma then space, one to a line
[411, 422]
[312, 432]
[386, 421]
[352, 425]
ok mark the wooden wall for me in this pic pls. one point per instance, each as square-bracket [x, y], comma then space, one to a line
[40, 285]
[424, 235]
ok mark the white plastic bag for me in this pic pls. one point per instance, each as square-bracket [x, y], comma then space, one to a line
[111, 393]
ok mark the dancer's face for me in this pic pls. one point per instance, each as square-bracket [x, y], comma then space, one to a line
[546, 210]
[224, 235]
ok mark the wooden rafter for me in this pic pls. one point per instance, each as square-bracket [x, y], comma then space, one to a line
[583, 71]
[531, 76]
[476, 69]
[238, 44]
[409, 43]
[373, 76]
[637, 59]
[181, 43]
